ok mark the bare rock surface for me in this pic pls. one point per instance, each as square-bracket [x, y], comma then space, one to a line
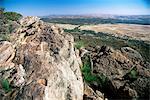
[90, 94]
[128, 76]
[43, 64]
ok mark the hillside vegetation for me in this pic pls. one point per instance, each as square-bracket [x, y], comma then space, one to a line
[8, 23]
[91, 38]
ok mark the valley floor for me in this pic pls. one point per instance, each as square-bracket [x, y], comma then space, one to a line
[138, 32]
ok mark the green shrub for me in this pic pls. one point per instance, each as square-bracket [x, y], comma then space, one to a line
[79, 44]
[132, 74]
[86, 70]
[6, 85]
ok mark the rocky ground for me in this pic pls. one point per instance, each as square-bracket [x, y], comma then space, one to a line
[120, 74]
[41, 62]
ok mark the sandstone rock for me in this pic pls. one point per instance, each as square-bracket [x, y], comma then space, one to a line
[42, 82]
[47, 66]
[19, 77]
[89, 94]
[7, 54]
[27, 21]
[7, 51]
[83, 52]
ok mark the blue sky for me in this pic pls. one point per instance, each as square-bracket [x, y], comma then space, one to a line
[48, 7]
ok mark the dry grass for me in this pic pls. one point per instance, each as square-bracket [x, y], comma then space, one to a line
[67, 26]
[139, 32]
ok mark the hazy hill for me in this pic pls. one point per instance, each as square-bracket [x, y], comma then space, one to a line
[98, 19]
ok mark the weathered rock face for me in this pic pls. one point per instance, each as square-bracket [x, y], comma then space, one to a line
[128, 76]
[45, 65]
[7, 54]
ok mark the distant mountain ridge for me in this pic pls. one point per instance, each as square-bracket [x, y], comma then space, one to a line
[98, 19]
[97, 16]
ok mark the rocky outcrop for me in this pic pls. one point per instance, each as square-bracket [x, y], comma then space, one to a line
[41, 64]
[128, 76]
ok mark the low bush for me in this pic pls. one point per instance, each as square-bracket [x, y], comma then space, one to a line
[132, 74]
[5, 85]
[79, 44]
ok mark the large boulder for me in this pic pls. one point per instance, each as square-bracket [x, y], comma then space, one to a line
[46, 63]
